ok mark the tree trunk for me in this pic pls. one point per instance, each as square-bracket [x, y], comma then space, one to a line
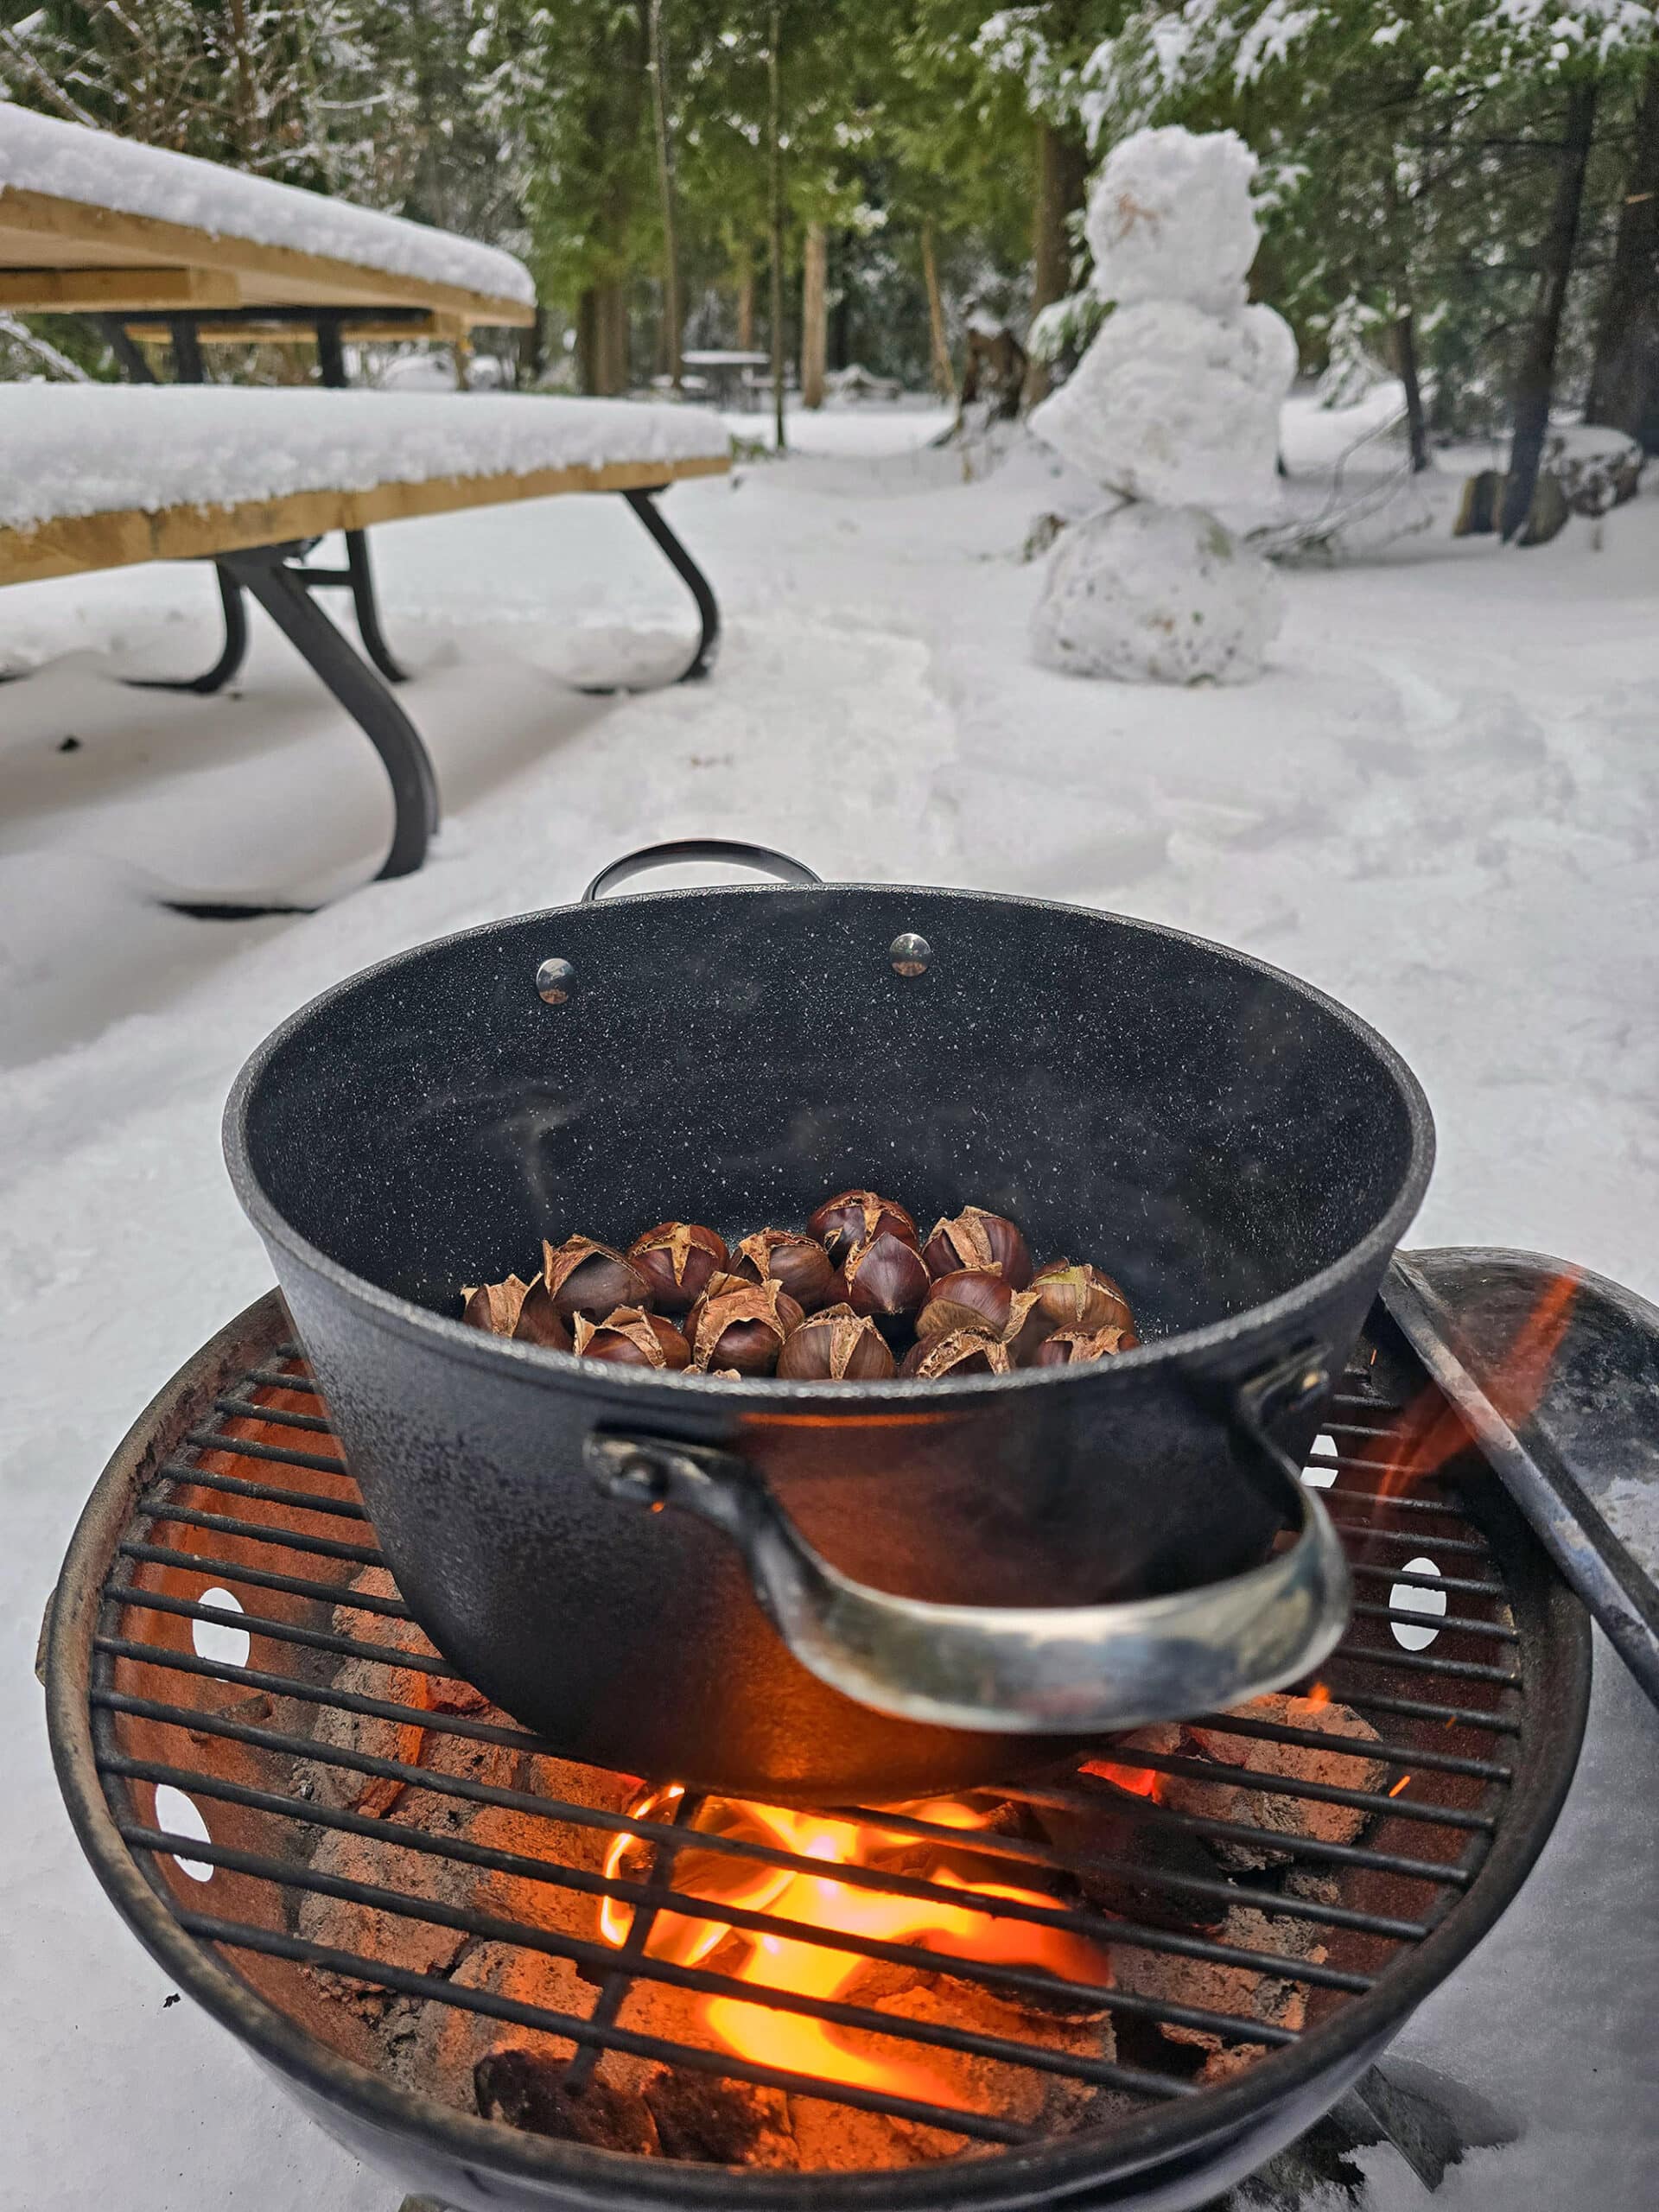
[665, 184]
[602, 338]
[815, 334]
[532, 350]
[1062, 181]
[1405, 361]
[1625, 380]
[775, 195]
[945, 378]
[1536, 382]
[745, 299]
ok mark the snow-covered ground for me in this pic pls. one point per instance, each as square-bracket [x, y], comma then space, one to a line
[1440, 804]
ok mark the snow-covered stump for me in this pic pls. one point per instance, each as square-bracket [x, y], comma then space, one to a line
[1155, 595]
[1174, 407]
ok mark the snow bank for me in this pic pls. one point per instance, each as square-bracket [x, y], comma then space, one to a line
[84, 449]
[1172, 403]
[40, 153]
[1155, 595]
[1169, 218]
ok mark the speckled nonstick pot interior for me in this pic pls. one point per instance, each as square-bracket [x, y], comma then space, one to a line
[1240, 1151]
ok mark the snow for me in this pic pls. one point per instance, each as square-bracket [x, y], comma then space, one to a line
[1169, 218]
[1155, 595]
[39, 153]
[93, 449]
[1438, 803]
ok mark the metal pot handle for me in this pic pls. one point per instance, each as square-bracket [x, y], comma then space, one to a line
[761, 858]
[1026, 1670]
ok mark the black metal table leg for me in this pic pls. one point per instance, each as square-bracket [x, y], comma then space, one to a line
[280, 585]
[331, 361]
[643, 505]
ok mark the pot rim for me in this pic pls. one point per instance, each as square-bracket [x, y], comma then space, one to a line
[770, 1393]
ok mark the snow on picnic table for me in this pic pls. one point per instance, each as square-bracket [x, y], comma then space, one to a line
[1439, 802]
[84, 449]
[40, 153]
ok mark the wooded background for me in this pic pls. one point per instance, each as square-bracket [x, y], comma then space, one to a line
[1463, 190]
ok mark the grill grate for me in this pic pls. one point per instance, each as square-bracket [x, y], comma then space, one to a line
[233, 1604]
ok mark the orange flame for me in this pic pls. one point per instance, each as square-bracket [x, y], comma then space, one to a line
[780, 1961]
[1139, 1781]
[1318, 1695]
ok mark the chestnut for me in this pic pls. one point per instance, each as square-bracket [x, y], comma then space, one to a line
[1076, 1296]
[676, 1259]
[964, 1351]
[836, 1346]
[886, 1277]
[799, 1263]
[853, 1218]
[972, 1297]
[742, 1327]
[1072, 1347]
[977, 1239]
[538, 1319]
[493, 1306]
[1028, 1327]
[589, 1278]
[631, 1338]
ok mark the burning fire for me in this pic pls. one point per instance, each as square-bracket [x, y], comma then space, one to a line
[817, 1971]
[1140, 1781]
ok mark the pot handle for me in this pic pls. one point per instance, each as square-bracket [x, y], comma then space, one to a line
[761, 858]
[1024, 1670]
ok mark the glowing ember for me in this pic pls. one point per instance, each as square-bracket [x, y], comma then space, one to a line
[1319, 1694]
[1139, 1781]
[1400, 1785]
[819, 1970]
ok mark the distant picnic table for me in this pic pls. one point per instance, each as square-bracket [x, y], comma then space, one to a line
[728, 370]
[154, 244]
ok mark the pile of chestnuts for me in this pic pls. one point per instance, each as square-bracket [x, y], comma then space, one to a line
[855, 1297]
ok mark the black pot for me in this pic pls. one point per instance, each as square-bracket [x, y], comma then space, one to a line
[1001, 1564]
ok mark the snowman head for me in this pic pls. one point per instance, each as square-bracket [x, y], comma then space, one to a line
[1170, 218]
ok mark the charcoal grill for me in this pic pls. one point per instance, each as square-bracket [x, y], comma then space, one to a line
[231, 1481]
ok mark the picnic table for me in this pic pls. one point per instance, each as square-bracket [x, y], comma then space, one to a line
[728, 370]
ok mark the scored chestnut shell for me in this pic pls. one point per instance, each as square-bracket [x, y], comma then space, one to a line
[743, 1326]
[836, 1346]
[972, 1297]
[585, 1277]
[964, 1351]
[631, 1338]
[1075, 1295]
[539, 1322]
[977, 1239]
[853, 1218]
[1072, 1347]
[799, 1263]
[676, 1259]
[493, 1306]
[886, 1277]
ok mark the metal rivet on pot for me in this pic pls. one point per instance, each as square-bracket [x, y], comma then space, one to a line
[909, 955]
[555, 981]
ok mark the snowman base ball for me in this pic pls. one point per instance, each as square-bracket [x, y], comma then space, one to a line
[1155, 595]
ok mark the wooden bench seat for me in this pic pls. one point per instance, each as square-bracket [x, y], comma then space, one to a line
[102, 476]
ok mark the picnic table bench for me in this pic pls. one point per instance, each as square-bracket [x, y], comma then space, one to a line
[98, 476]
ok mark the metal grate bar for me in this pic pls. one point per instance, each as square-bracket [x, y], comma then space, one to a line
[1320, 1740]
[1460, 1621]
[648, 1896]
[1450, 1716]
[313, 1639]
[238, 1487]
[340, 1594]
[1280, 1785]
[1418, 1662]
[1403, 1578]
[1363, 1533]
[249, 1447]
[279, 1379]
[245, 1409]
[275, 1539]
[1390, 1503]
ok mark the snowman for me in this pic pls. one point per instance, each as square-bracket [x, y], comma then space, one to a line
[1173, 408]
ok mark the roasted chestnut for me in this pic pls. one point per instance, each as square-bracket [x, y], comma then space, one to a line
[977, 1239]
[676, 1259]
[799, 1263]
[538, 1319]
[964, 1351]
[853, 1218]
[1026, 1329]
[584, 1277]
[836, 1346]
[1070, 1347]
[886, 1277]
[631, 1338]
[493, 1306]
[972, 1297]
[1076, 1296]
[743, 1327]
